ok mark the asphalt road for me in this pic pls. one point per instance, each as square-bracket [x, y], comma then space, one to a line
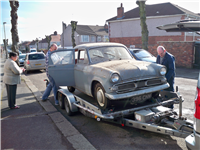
[104, 135]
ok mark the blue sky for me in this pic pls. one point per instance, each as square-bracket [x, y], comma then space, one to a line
[42, 17]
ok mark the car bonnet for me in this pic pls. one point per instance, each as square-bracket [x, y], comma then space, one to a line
[129, 69]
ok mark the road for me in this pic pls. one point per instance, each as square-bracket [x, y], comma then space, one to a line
[103, 135]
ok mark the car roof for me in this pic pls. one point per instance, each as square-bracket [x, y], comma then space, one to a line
[35, 53]
[93, 45]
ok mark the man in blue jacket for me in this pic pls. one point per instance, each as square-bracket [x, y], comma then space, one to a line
[168, 60]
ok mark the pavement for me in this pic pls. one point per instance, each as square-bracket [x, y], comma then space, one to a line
[37, 124]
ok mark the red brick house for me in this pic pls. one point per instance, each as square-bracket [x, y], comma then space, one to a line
[125, 28]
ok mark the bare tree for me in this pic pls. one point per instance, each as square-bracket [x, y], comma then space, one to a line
[145, 32]
[73, 25]
[14, 17]
[48, 40]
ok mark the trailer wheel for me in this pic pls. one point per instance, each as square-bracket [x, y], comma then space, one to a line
[71, 89]
[61, 100]
[99, 94]
[67, 107]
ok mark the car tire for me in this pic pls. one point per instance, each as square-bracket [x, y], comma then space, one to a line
[67, 107]
[99, 94]
[61, 100]
[71, 89]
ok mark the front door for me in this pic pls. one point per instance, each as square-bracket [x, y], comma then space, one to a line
[61, 67]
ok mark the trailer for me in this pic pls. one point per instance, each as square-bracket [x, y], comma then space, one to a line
[154, 115]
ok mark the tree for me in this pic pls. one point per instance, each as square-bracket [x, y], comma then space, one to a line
[14, 17]
[37, 41]
[73, 25]
[48, 38]
[145, 32]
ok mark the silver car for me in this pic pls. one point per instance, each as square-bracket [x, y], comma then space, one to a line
[107, 72]
[21, 59]
[34, 61]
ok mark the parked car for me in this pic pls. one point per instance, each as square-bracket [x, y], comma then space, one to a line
[33, 50]
[9, 50]
[193, 140]
[21, 59]
[143, 55]
[20, 52]
[107, 72]
[34, 61]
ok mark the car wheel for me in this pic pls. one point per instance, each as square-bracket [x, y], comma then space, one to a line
[99, 94]
[61, 100]
[71, 89]
[67, 107]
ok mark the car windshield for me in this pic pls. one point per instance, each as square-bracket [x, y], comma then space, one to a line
[102, 54]
[35, 56]
[33, 50]
[142, 53]
[22, 56]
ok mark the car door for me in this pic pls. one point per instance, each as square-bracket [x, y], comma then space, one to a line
[61, 67]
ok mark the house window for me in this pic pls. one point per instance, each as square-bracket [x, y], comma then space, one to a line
[92, 38]
[105, 38]
[99, 38]
[84, 38]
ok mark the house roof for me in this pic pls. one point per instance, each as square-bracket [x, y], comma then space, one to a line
[90, 30]
[162, 9]
[32, 42]
[26, 43]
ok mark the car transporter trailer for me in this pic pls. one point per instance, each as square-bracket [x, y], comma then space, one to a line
[154, 117]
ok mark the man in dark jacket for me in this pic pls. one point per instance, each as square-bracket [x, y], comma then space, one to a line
[168, 60]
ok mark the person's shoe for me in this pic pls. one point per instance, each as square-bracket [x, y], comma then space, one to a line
[16, 107]
[45, 100]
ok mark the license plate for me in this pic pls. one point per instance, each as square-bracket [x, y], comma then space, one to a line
[139, 99]
[37, 64]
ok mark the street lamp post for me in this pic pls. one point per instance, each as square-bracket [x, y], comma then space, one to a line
[5, 41]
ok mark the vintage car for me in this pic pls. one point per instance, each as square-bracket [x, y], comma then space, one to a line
[108, 72]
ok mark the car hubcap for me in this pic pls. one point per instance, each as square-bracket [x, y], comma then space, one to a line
[100, 97]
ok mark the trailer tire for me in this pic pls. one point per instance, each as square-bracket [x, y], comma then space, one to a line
[99, 94]
[61, 100]
[71, 89]
[67, 107]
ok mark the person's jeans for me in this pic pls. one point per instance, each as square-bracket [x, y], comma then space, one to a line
[49, 87]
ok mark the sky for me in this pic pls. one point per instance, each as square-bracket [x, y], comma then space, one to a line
[37, 18]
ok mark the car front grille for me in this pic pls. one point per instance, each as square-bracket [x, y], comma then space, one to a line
[137, 85]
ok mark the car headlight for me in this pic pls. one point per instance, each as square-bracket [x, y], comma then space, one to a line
[163, 71]
[115, 77]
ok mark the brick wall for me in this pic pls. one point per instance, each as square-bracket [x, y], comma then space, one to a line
[183, 51]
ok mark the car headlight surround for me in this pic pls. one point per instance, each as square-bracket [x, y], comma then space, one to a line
[163, 71]
[114, 77]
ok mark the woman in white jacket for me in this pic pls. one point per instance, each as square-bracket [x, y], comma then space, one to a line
[12, 77]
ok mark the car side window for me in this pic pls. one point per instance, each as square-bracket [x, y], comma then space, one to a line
[62, 57]
[82, 59]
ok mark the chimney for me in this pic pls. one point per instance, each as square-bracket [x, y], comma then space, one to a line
[120, 12]
[55, 33]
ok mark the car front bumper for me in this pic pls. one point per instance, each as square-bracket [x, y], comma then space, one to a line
[136, 93]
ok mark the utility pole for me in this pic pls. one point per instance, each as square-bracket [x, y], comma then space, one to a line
[5, 41]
